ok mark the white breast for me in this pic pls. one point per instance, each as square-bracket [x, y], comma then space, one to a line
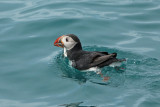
[65, 52]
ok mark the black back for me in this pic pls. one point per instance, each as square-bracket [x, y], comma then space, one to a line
[85, 59]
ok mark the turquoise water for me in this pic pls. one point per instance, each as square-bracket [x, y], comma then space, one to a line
[34, 73]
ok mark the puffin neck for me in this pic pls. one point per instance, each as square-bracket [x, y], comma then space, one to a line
[77, 47]
[73, 51]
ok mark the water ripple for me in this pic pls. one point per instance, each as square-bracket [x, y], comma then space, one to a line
[14, 103]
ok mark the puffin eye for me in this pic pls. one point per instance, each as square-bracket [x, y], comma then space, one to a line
[66, 39]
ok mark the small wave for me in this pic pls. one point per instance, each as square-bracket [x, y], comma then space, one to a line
[49, 57]
[14, 103]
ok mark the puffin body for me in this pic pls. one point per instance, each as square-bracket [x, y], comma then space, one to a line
[83, 60]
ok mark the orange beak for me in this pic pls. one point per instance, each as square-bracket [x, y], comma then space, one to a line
[58, 42]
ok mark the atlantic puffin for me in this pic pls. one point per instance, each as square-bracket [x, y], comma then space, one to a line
[84, 60]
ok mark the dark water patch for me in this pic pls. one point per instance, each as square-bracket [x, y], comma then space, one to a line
[5, 21]
[147, 25]
[54, 5]
[10, 6]
[39, 27]
[5, 26]
[75, 105]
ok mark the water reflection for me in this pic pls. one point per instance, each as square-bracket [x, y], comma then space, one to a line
[75, 105]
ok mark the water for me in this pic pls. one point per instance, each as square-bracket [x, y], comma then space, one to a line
[33, 73]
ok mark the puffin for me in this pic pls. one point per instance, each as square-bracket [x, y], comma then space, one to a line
[85, 60]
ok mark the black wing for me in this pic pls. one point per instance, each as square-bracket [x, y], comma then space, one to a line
[99, 59]
[93, 59]
[105, 53]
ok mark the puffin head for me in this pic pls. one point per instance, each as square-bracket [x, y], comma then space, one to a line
[68, 42]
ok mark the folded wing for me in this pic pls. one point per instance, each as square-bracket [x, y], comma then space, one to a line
[99, 59]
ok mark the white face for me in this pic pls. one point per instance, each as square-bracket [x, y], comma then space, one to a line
[68, 42]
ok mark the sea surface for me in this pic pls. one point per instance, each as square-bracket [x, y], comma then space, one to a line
[34, 73]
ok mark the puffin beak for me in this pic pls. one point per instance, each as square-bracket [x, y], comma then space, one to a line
[58, 42]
